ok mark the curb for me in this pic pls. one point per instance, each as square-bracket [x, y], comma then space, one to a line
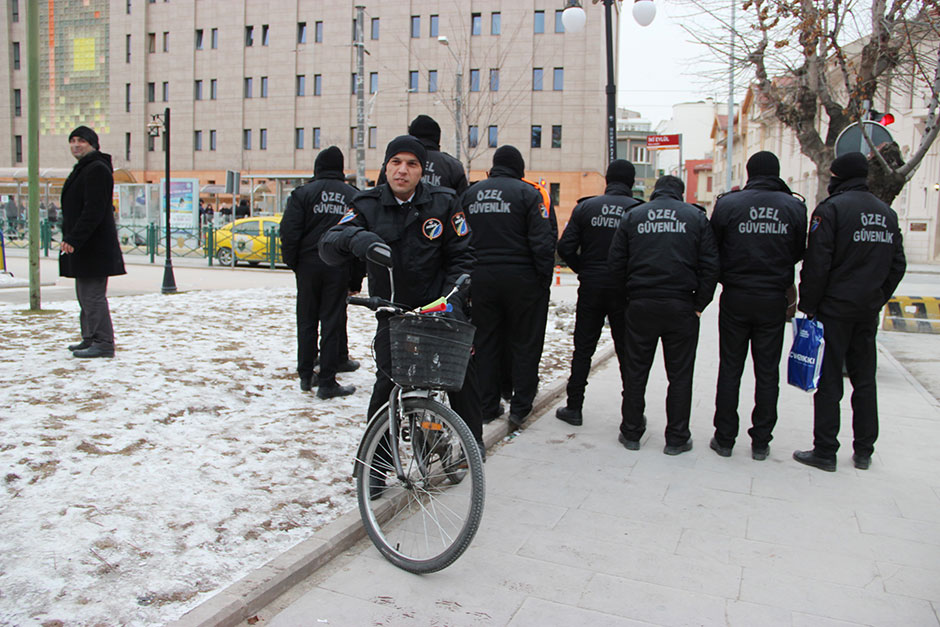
[250, 594]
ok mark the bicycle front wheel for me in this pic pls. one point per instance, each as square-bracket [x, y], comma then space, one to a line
[424, 520]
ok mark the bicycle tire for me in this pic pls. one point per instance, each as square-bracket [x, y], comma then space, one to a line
[421, 525]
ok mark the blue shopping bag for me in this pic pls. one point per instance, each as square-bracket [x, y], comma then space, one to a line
[806, 356]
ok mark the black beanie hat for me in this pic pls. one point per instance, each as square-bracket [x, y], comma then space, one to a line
[406, 143]
[621, 171]
[87, 134]
[850, 166]
[510, 157]
[670, 182]
[329, 160]
[424, 127]
[763, 163]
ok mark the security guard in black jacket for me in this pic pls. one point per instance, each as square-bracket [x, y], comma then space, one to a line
[321, 289]
[515, 250]
[584, 246]
[440, 168]
[430, 242]
[854, 262]
[664, 253]
[761, 235]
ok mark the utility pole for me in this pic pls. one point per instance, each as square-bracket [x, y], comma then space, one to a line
[32, 145]
[360, 99]
[730, 142]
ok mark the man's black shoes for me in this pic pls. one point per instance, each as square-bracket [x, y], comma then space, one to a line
[760, 453]
[862, 462]
[676, 449]
[571, 416]
[80, 346]
[630, 445]
[308, 382]
[350, 365]
[93, 351]
[516, 421]
[327, 391]
[723, 451]
[810, 458]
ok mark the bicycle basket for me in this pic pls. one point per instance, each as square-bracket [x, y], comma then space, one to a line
[430, 351]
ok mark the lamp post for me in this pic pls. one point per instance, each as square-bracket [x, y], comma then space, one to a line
[459, 99]
[153, 130]
[574, 19]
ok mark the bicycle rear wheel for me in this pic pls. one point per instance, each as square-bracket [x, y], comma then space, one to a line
[425, 521]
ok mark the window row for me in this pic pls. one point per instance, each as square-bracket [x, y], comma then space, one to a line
[536, 136]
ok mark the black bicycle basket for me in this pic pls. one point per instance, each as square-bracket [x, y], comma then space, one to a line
[430, 352]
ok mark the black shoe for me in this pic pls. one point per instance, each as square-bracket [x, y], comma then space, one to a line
[516, 421]
[810, 458]
[678, 448]
[723, 451]
[80, 346]
[350, 365]
[307, 383]
[760, 453]
[630, 445]
[376, 484]
[862, 462]
[571, 416]
[92, 352]
[325, 391]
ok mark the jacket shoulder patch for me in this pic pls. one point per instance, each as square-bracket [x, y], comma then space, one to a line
[432, 228]
[349, 216]
[459, 222]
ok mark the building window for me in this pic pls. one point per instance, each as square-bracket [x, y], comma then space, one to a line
[18, 148]
[151, 92]
[352, 137]
[213, 89]
[536, 136]
[556, 136]
[537, 79]
[16, 55]
[373, 82]
[432, 31]
[554, 193]
[197, 90]
[263, 139]
[151, 142]
[494, 79]
[246, 139]
[127, 97]
[559, 25]
[151, 42]
[301, 32]
[214, 38]
[495, 23]
[15, 10]
[265, 34]
[355, 31]
[301, 84]
[373, 137]
[473, 136]
[247, 93]
[539, 26]
[316, 137]
[558, 79]
[415, 26]
[492, 136]
[375, 28]
[413, 80]
[318, 32]
[198, 39]
[355, 82]
[166, 91]
[18, 102]
[317, 84]
[298, 139]
[197, 140]
[166, 41]
[641, 154]
[708, 184]
[212, 139]
[249, 36]
[474, 80]
[127, 137]
[127, 49]
[264, 86]
[432, 81]
[476, 23]
[128, 7]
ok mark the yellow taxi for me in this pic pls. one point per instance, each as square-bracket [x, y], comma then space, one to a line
[248, 238]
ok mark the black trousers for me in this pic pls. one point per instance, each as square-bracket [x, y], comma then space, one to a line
[849, 342]
[95, 315]
[509, 309]
[649, 320]
[594, 305]
[758, 320]
[466, 401]
[321, 305]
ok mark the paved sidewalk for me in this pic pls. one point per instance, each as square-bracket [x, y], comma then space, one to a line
[578, 530]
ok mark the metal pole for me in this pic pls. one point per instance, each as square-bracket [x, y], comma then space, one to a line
[360, 100]
[729, 180]
[611, 88]
[32, 141]
[457, 133]
[169, 282]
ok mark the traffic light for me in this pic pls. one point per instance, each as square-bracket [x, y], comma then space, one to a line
[881, 118]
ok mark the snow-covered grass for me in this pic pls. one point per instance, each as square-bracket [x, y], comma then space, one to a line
[136, 487]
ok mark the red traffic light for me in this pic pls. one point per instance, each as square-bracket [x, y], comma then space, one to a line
[887, 119]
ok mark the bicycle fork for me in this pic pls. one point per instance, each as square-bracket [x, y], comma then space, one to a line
[394, 424]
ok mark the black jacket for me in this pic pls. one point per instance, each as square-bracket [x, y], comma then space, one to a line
[430, 241]
[855, 257]
[88, 220]
[666, 249]
[511, 225]
[761, 235]
[311, 210]
[440, 169]
[585, 244]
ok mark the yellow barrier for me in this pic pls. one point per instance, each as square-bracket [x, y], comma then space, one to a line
[912, 314]
[3, 254]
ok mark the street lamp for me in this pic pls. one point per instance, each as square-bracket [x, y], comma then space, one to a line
[573, 19]
[459, 100]
[153, 130]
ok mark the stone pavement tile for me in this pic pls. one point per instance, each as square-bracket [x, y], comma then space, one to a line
[843, 490]
[927, 510]
[809, 526]
[560, 443]
[339, 609]
[742, 614]
[707, 471]
[527, 480]
[907, 581]
[869, 605]
[617, 530]
[657, 604]
[904, 528]
[637, 563]
[541, 613]
[507, 522]
[811, 620]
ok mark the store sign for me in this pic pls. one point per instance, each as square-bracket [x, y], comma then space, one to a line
[662, 142]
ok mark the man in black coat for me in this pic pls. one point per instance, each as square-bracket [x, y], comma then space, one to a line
[761, 235]
[440, 168]
[89, 250]
[584, 246]
[515, 250]
[664, 253]
[854, 262]
[321, 289]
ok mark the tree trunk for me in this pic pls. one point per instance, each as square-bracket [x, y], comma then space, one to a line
[886, 184]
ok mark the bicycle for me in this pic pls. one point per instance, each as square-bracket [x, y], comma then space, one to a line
[419, 471]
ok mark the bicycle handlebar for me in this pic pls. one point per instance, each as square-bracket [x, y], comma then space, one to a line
[373, 302]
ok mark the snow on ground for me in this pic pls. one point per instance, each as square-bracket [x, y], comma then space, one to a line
[136, 487]
[8, 280]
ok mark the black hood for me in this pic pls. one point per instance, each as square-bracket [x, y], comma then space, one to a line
[767, 183]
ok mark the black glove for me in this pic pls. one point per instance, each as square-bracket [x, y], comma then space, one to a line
[360, 242]
[460, 309]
